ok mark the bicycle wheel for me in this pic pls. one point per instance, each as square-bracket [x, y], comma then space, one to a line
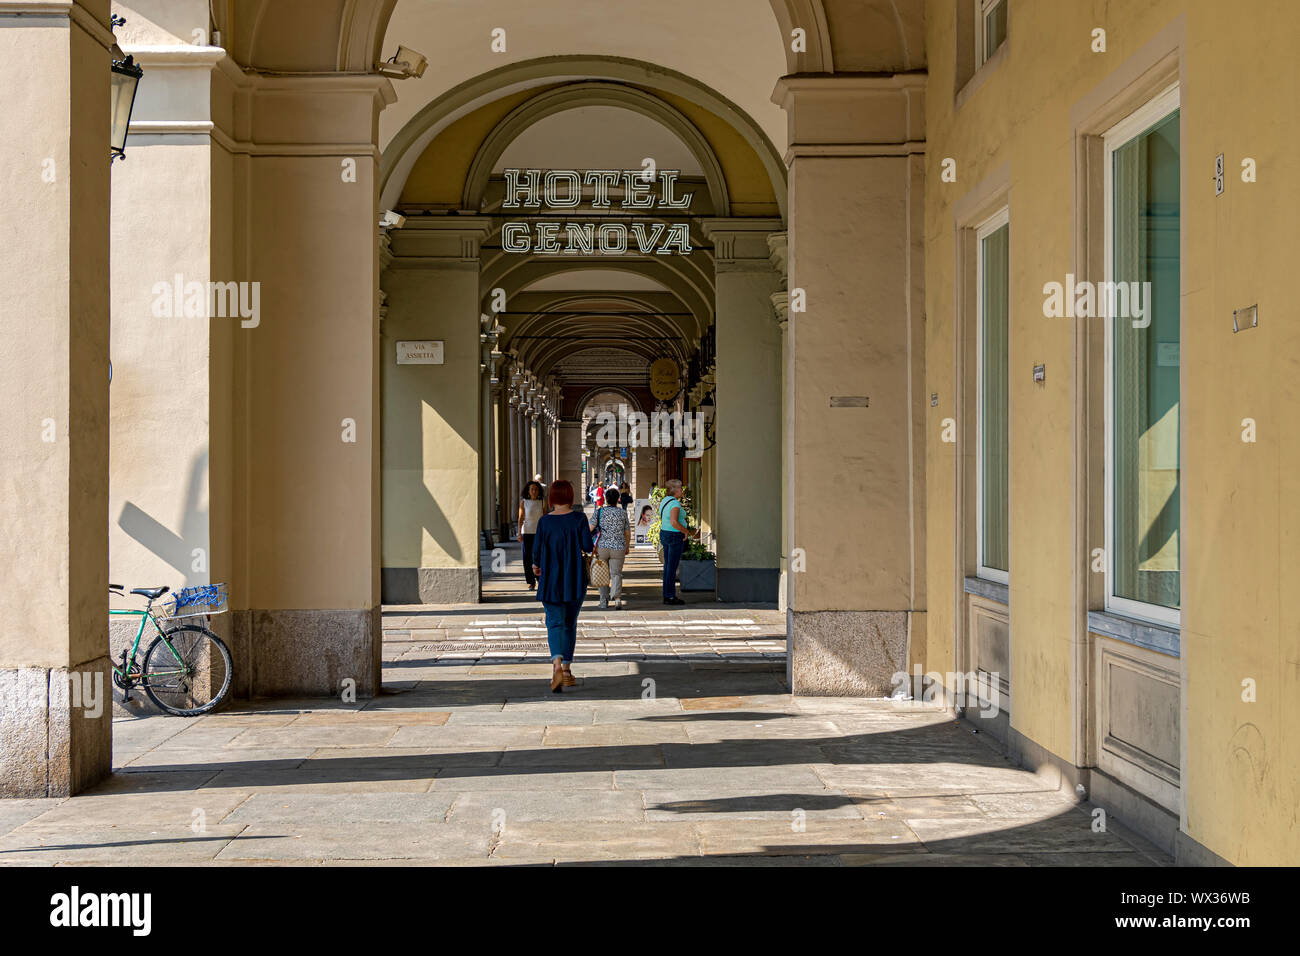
[187, 671]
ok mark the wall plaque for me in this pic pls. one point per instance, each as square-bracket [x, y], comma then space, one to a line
[419, 353]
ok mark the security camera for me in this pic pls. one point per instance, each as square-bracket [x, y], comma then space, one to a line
[403, 64]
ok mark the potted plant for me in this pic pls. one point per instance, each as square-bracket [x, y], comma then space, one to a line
[697, 567]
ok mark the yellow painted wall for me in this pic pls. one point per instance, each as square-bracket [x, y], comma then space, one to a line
[431, 423]
[1241, 616]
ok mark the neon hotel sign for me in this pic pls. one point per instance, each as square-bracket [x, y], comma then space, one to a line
[563, 189]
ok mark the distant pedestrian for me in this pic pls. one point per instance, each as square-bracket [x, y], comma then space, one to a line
[531, 509]
[614, 537]
[563, 537]
[673, 530]
[625, 498]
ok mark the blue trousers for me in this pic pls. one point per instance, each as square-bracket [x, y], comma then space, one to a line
[562, 628]
[673, 542]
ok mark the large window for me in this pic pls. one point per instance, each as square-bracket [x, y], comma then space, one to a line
[992, 313]
[990, 28]
[1143, 363]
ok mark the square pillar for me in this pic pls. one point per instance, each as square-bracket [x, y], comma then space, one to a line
[306, 425]
[746, 461]
[170, 495]
[55, 692]
[432, 433]
[854, 379]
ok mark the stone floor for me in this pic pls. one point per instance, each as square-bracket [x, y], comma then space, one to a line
[678, 746]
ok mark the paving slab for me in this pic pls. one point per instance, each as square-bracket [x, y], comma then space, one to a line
[790, 779]
[320, 809]
[492, 809]
[14, 813]
[521, 778]
[175, 808]
[356, 841]
[348, 779]
[589, 842]
[783, 806]
[114, 846]
[818, 836]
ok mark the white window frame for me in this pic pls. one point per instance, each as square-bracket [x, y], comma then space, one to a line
[985, 229]
[982, 9]
[1123, 132]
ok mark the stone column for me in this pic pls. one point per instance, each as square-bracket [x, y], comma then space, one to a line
[512, 456]
[306, 417]
[854, 379]
[431, 414]
[569, 449]
[55, 715]
[746, 466]
[487, 480]
[779, 246]
[505, 497]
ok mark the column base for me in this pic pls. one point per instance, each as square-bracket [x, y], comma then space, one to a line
[430, 585]
[279, 653]
[748, 585]
[55, 729]
[846, 653]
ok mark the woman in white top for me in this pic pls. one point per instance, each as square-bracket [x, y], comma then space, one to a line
[531, 507]
[614, 537]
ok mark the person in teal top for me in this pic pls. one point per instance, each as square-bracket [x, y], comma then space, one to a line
[673, 530]
[563, 537]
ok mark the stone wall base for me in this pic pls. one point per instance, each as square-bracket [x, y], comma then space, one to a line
[55, 729]
[1128, 808]
[430, 585]
[748, 585]
[290, 653]
[846, 653]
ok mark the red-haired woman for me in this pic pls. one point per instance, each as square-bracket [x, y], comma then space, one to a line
[563, 537]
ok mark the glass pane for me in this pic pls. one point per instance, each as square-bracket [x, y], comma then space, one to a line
[993, 400]
[995, 28]
[1145, 472]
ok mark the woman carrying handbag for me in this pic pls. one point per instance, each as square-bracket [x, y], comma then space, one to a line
[563, 537]
[613, 538]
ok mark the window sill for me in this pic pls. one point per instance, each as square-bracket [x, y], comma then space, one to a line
[979, 76]
[1154, 637]
[989, 590]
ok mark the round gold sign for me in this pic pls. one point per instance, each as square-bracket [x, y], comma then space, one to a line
[665, 380]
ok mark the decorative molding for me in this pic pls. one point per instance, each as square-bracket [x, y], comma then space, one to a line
[176, 54]
[60, 10]
[781, 308]
[741, 245]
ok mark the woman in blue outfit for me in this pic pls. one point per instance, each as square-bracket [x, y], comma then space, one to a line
[563, 537]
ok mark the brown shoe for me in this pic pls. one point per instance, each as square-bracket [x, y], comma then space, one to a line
[557, 678]
[569, 679]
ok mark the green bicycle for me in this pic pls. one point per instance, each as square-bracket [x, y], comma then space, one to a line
[186, 669]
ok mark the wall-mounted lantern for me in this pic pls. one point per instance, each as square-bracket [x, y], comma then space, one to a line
[125, 81]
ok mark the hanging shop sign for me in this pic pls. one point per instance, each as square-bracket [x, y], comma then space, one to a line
[563, 190]
[665, 379]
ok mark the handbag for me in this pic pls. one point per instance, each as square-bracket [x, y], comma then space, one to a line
[597, 570]
[598, 573]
